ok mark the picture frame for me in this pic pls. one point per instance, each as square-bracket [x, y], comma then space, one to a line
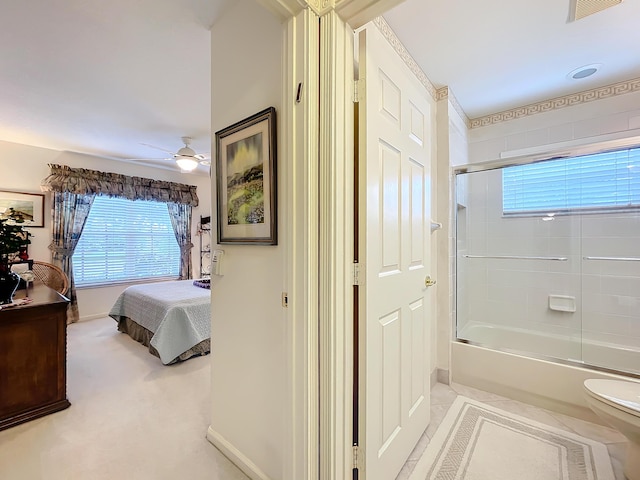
[27, 209]
[246, 181]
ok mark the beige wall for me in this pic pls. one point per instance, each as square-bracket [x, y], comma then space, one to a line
[248, 322]
[23, 169]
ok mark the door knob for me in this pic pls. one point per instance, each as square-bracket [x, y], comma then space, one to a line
[428, 282]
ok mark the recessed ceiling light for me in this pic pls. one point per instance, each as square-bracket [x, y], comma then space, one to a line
[584, 71]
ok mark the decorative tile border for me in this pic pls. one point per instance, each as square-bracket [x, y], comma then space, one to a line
[557, 103]
[444, 93]
[395, 42]
[584, 8]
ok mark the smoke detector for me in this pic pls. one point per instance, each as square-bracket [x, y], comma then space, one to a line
[584, 71]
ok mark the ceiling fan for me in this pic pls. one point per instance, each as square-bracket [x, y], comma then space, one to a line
[186, 158]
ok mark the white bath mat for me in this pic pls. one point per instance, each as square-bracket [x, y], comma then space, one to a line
[476, 441]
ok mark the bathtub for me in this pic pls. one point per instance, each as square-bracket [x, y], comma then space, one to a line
[492, 363]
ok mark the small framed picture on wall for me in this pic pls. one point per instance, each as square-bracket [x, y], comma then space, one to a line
[23, 208]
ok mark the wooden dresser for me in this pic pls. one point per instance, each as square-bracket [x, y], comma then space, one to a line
[33, 357]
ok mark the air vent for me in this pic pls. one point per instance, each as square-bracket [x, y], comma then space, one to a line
[583, 8]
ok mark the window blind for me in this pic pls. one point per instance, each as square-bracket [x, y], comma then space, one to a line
[125, 240]
[602, 181]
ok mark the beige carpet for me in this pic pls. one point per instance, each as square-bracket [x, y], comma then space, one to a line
[131, 418]
[476, 441]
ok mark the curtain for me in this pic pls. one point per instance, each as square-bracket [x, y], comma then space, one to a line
[69, 213]
[84, 181]
[180, 215]
[74, 190]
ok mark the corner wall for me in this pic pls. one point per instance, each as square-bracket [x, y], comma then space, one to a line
[23, 169]
[452, 150]
[248, 348]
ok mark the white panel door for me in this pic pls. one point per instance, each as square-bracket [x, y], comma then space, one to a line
[395, 206]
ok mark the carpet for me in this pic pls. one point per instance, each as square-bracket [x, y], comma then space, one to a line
[476, 441]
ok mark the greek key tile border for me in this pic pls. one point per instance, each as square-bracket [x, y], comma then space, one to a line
[397, 45]
[444, 93]
[557, 103]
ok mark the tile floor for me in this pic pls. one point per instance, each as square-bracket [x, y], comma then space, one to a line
[442, 396]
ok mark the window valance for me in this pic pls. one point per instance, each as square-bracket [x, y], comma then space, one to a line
[84, 181]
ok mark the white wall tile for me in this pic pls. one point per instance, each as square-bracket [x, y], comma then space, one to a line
[592, 284]
[626, 286]
[516, 141]
[537, 137]
[561, 133]
[634, 122]
[611, 324]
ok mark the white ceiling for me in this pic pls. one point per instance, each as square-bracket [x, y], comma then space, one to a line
[495, 55]
[111, 78]
[106, 76]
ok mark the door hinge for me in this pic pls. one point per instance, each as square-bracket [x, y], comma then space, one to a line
[358, 273]
[356, 90]
[356, 458]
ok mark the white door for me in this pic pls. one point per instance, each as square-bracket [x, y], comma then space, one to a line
[395, 208]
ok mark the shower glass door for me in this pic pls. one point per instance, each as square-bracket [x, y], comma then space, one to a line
[611, 291]
[548, 259]
[518, 276]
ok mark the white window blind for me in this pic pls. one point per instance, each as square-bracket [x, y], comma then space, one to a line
[603, 181]
[125, 240]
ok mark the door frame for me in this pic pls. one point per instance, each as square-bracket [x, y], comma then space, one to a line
[319, 261]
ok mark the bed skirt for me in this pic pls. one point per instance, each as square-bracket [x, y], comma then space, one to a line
[143, 336]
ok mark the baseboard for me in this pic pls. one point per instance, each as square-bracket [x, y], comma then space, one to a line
[232, 453]
[433, 378]
[442, 376]
[95, 316]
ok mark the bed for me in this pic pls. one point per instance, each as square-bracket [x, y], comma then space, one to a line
[172, 319]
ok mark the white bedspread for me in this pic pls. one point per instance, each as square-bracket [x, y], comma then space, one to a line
[178, 313]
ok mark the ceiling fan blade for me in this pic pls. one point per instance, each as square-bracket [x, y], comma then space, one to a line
[157, 148]
[151, 160]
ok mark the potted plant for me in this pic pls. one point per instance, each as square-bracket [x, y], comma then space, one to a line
[13, 239]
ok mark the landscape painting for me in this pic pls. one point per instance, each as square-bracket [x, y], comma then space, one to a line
[246, 180]
[23, 208]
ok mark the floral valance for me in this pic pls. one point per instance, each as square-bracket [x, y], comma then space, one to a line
[84, 181]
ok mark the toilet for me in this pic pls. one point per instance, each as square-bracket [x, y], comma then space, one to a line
[617, 402]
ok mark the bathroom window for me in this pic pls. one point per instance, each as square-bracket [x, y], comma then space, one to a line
[588, 183]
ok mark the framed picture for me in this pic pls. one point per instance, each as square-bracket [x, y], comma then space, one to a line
[25, 208]
[246, 181]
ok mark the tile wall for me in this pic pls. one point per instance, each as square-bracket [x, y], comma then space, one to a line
[515, 293]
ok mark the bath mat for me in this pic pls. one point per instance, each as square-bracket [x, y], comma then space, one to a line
[476, 441]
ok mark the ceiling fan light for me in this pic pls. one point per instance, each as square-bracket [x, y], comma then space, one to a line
[187, 164]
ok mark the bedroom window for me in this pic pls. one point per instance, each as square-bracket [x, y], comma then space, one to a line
[608, 181]
[126, 241]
